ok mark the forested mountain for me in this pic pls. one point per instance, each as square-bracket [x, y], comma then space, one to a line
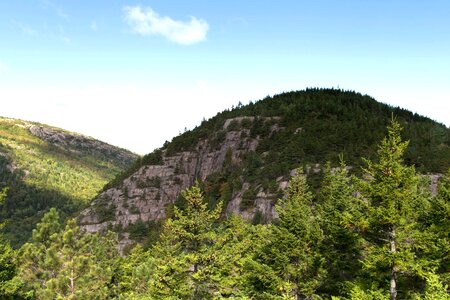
[243, 158]
[45, 167]
[281, 199]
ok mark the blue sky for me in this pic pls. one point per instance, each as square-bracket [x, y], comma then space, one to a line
[137, 73]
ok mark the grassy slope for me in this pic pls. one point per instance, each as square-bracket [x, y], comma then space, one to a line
[46, 176]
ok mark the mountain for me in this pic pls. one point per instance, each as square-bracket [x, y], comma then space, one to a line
[44, 166]
[243, 157]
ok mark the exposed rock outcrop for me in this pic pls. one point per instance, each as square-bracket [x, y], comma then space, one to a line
[148, 193]
[80, 144]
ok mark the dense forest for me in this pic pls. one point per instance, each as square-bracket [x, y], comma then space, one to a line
[376, 234]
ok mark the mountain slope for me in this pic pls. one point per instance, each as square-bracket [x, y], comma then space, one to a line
[243, 157]
[45, 167]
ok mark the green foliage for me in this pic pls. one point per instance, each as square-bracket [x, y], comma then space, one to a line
[41, 174]
[348, 241]
[392, 205]
[64, 263]
[184, 245]
[338, 209]
[248, 198]
[8, 287]
[105, 211]
[291, 257]
[196, 258]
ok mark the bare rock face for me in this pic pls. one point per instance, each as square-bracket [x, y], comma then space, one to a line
[147, 194]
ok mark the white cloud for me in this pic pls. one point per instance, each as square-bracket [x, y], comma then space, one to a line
[146, 21]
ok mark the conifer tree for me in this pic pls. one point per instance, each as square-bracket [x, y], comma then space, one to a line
[64, 263]
[338, 210]
[389, 193]
[183, 255]
[434, 243]
[290, 264]
[199, 258]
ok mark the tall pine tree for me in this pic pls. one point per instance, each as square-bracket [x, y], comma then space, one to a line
[389, 193]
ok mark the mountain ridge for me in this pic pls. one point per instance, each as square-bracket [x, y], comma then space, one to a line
[45, 166]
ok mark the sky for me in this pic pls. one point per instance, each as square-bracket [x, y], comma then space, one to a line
[137, 73]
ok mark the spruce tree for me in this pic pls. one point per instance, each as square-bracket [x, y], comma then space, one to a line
[338, 210]
[389, 193]
[183, 254]
[290, 264]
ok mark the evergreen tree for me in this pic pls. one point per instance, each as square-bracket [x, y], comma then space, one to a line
[440, 209]
[66, 263]
[389, 193]
[133, 273]
[290, 264]
[183, 255]
[199, 258]
[434, 242]
[338, 209]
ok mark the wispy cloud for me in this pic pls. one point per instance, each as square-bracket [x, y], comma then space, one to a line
[146, 21]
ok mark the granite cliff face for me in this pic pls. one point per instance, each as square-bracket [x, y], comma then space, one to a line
[149, 192]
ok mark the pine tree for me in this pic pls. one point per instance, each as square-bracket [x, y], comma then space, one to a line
[338, 210]
[133, 273]
[441, 224]
[199, 257]
[434, 242]
[290, 265]
[65, 263]
[183, 254]
[390, 195]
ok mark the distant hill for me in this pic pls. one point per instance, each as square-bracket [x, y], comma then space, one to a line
[44, 166]
[244, 157]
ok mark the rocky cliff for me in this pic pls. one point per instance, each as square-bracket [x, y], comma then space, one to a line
[149, 192]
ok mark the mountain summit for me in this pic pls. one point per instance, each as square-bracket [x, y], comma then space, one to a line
[243, 157]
